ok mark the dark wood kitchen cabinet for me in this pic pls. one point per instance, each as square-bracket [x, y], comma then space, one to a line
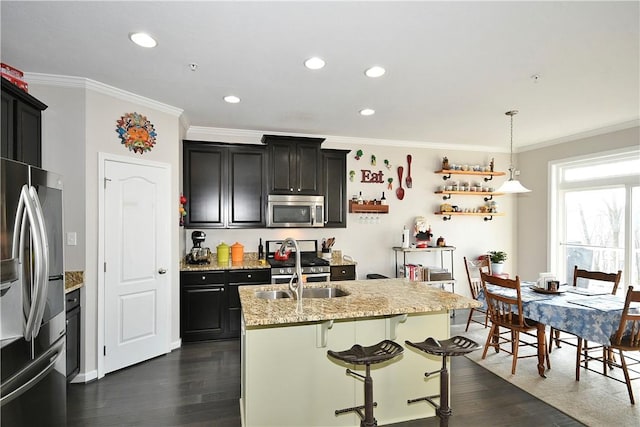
[202, 305]
[225, 185]
[237, 278]
[21, 134]
[343, 272]
[334, 186]
[210, 304]
[72, 308]
[294, 164]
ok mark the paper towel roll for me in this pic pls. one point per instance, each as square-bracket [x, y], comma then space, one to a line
[405, 238]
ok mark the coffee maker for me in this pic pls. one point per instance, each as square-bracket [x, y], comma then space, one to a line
[198, 254]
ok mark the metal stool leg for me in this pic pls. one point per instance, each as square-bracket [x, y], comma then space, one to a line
[444, 410]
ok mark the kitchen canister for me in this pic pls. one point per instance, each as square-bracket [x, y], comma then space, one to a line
[223, 253]
[237, 253]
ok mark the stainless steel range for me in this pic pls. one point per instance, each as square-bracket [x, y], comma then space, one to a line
[315, 268]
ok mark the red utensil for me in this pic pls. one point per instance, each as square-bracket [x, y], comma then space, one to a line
[409, 181]
[400, 190]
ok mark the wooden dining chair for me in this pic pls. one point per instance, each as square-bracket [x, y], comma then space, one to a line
[627, 338]
[610, 279]
[582, 346]
[473, 268]
[506, 312]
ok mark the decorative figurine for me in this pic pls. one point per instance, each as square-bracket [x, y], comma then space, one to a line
[445, 163]
[491, 165]
[422, 232]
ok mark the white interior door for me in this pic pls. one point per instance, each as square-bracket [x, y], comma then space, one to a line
[137, 253]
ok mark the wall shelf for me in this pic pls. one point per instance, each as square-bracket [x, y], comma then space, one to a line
[488, 175]
[488, 216]
[447, 194]
[354, 207]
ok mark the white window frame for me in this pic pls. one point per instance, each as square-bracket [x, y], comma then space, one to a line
[556, 214]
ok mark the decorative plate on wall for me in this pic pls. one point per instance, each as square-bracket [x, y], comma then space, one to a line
[136, 132]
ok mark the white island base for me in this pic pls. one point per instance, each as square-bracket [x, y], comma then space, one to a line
[288, 379]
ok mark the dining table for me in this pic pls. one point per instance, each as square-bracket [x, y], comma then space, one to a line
[592, 314]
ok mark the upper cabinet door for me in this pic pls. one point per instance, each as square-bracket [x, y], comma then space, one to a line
[225, 185]
[205, 183]
[247, 186]
[295, 164]
[21, 125]
[334, 183]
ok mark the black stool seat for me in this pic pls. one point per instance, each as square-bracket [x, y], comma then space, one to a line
[359, 355]
[456, 346]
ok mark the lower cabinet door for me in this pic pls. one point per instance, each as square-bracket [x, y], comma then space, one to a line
[202, 312]
[73, 342]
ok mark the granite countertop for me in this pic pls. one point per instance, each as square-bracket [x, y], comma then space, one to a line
[251, 261]
[73, 280]
[247, 263]
[367, 298]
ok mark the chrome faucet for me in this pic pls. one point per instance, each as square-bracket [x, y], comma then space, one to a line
[297, 288]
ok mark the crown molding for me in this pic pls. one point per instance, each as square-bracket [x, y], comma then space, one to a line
[582, 135]
[88, 84]
[255, 136]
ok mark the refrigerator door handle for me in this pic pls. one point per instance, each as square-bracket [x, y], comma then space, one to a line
[43, 277]
[23, 377]
[28, 214]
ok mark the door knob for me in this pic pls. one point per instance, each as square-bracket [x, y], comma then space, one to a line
[162, 271]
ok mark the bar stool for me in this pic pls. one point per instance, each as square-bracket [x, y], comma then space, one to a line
[456, 346]
[359, 355]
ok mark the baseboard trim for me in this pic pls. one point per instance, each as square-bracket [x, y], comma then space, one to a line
[176, 344]
[85, 377]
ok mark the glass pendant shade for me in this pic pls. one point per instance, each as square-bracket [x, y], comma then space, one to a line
[512, 185]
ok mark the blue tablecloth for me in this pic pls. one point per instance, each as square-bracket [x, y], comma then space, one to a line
[594, 318]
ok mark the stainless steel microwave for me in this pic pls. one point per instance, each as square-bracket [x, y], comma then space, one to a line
[295, 211]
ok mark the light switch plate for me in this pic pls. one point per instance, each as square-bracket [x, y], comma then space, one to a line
[72, 239]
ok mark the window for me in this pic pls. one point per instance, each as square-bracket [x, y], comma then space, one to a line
[595, 216]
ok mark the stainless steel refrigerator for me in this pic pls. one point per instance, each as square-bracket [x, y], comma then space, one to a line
[32, 315]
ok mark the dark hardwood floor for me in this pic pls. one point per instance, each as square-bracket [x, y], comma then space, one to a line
[199, 385]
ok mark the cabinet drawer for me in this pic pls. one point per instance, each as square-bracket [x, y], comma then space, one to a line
[250, 276]
[201, 278]
[72, 300]
[343, 272]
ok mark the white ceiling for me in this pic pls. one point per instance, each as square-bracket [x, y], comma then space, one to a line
[453, 68]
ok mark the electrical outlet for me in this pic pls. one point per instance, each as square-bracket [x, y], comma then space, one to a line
[72, 238]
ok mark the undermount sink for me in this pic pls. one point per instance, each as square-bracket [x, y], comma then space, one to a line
[306, 293]
[272, 294]
[323, 293]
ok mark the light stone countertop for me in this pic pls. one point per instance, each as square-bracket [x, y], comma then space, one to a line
[367, 298]
[250, 261]
[73, 280]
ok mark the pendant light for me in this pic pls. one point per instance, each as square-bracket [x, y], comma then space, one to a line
[512, 185]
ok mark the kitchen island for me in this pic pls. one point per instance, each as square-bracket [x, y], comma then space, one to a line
[287, 377]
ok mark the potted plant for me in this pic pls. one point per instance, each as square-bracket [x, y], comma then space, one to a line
[497, 261]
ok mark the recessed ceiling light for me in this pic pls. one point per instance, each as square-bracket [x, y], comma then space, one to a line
[375, 71]
[231, 99]
[143, 39]
[314, 63]
[367, 112]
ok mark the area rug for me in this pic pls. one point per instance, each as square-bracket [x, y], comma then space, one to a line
[595, 400]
